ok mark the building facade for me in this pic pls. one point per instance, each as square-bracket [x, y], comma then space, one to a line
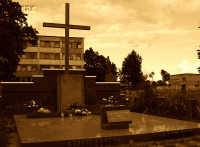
[50, 54]
[185, 81]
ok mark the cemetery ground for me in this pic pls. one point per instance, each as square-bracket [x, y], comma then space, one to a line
[140, 122]
[9, 128]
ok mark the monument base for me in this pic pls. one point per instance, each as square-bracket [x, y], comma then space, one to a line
[70, 89]
[115, 126]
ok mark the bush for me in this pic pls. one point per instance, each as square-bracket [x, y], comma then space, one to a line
[3, 133]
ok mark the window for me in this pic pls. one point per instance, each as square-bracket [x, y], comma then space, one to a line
[75, 57]
[70, 45]
[31, 55]
[63, 44]
[74, 45]
[34, 68]
[41, 43]
[47, 44]
[46, 56]
[52, 44]
[63, 56]
[53, 56]
[57, 66]
[29, 68]
[79, 45]
[72, 56]
[42, 55]
[23, 68]
[183, 78]
[57, 56]
[78, 56]
[24, 56]
[44, 67]
[57, 44]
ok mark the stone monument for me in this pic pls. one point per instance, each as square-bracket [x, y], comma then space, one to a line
[70, 87]
[115, 117]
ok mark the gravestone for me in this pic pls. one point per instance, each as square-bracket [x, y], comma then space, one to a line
[115, 117]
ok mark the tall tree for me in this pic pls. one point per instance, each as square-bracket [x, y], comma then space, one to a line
[15, 34]
[165, 75]
[131, 69]
[96, 65]
[151, 75]
[198, 53]
[160, 83]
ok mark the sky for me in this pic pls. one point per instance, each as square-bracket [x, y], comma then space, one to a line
[163, 32]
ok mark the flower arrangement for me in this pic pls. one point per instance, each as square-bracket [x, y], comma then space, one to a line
[43, 110]
[42, 113]
[32, 103]
[81, 112]
[78, 110]
[109, 101]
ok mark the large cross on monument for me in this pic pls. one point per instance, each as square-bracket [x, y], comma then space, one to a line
[66, 26]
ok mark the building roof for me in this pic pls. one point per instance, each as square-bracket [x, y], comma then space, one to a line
[186, 74]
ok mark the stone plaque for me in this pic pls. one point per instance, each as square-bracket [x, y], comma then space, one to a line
[118, 116]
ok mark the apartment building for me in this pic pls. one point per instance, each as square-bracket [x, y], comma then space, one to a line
[185, 81]
[50, 54]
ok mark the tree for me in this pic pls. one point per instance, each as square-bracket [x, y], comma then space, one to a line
[151, 75]
[131, 69]
[165, 75]
[15, 34]
[161, 83]
[96, 65]
[198, 53]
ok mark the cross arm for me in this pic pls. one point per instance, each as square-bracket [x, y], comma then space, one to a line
[79, 27]
[55, 25]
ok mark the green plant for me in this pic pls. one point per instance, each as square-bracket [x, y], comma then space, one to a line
[3, 133]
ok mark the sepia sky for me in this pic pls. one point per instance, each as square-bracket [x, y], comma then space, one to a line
[164, 32]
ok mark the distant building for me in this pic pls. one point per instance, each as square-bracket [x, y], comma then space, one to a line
[185, 81]
[50, 54]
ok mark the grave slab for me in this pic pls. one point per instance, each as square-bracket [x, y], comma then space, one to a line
[86, 130]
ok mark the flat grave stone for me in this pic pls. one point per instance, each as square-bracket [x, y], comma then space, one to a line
[117, 116]
[81, 130]
[114, 117]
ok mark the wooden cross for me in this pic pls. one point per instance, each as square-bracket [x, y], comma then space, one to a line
[66, 26]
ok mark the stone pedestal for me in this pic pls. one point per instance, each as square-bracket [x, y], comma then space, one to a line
[70, 89]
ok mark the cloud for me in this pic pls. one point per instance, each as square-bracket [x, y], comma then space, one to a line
[186, 67]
